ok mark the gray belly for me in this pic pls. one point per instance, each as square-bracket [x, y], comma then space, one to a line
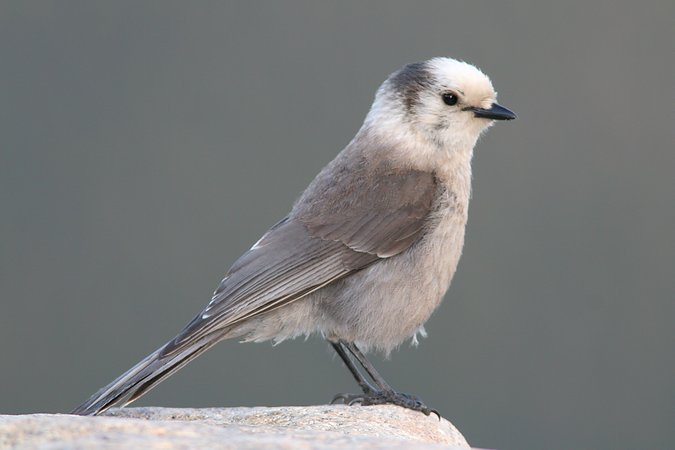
[387, 303]
[379, 307]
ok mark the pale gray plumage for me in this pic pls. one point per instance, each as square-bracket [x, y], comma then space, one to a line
[370, 247]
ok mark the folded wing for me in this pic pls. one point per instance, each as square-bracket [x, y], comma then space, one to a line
[356, 223]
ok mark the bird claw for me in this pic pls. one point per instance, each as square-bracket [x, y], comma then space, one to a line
[347, 399]
[341, 397]
[385, 398]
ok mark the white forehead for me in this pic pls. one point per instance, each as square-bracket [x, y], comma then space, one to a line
[461, 76]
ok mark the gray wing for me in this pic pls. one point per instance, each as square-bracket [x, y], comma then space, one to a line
[343, 227]
[382, 212]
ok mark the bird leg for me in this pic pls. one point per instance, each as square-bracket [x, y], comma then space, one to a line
[362, 382]
[371, 396]
[369, 368]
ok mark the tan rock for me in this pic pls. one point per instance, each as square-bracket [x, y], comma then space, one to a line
[311, 427]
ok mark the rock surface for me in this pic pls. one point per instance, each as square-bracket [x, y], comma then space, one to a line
[311, 427]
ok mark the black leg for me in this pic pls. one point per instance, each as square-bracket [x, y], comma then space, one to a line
[370, 369]
[363, 383]
[371, 396]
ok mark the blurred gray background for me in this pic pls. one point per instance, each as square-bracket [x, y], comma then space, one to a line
[145, 145]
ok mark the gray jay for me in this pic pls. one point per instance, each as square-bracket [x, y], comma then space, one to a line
[367, 251]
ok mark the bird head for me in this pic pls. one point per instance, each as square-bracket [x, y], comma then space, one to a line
[442, 100]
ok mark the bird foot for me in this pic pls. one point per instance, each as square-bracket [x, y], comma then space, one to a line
[372, 397]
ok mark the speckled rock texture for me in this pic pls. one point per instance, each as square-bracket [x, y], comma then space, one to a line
[298, 427]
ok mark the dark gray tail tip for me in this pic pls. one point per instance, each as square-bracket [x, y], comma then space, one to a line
[88, 410]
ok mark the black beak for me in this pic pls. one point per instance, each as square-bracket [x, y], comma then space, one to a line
[495, 112]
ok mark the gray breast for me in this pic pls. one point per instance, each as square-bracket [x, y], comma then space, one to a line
[388, 302]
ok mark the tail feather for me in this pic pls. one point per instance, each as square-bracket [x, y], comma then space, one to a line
[142, 377]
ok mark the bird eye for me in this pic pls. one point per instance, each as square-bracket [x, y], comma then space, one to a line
[450, 99]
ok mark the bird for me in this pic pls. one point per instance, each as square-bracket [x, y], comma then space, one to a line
[367, 251]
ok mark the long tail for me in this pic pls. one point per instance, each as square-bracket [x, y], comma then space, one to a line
[144, 376]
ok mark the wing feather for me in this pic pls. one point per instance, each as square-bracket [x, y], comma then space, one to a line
[320, 242]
